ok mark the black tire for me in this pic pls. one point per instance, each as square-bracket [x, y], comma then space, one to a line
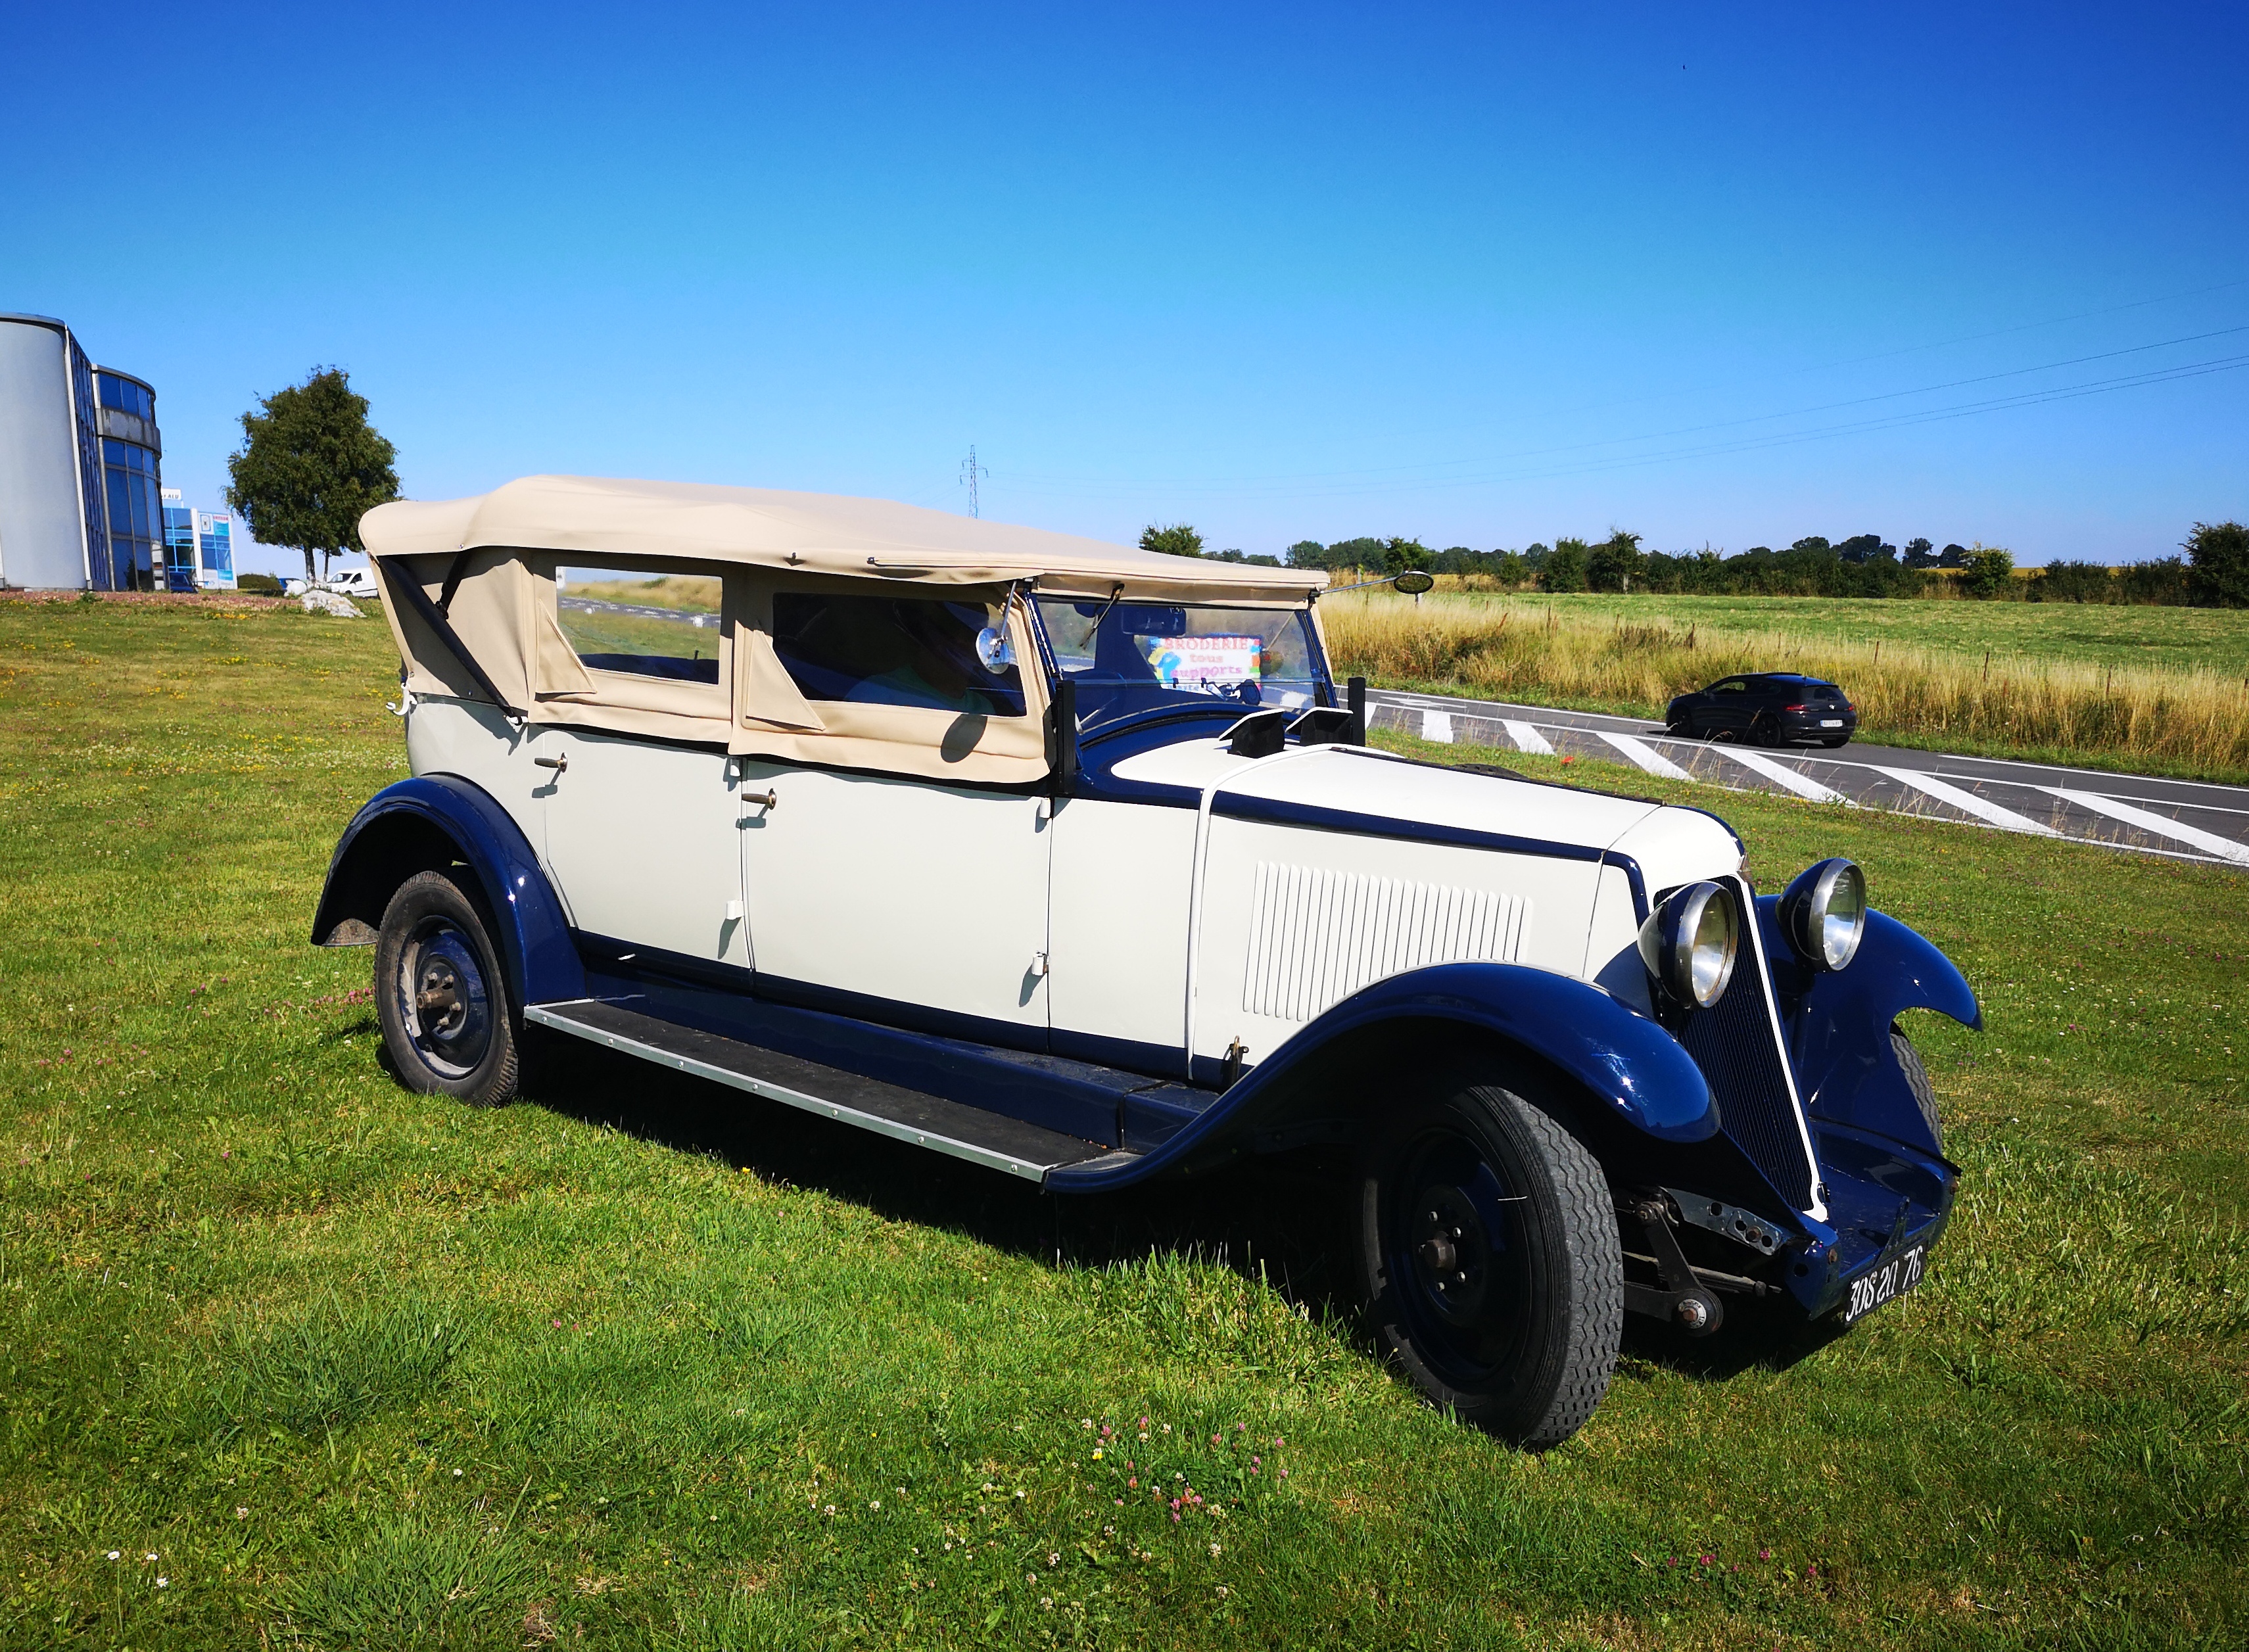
[449, 1023]
[1518, 1336]
[1681, 730]
[1765, 730]
[1916, 1079]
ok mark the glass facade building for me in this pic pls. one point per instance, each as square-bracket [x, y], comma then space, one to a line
[80, 467]
[198, 547]
[132, 477]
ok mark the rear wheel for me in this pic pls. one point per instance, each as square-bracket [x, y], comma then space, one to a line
[1765, 730]
[1490, 1263]
[442, 996]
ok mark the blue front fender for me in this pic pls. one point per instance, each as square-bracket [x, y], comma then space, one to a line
[1838, 1024]
[424, 824]
[1634, 1070]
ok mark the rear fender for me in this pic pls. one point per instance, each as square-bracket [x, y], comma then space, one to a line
[1634, 1072]
[427, 824]
[1838, 1024]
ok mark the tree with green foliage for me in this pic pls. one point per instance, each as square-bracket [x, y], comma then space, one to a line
[1987, 572]
[1920, 554]
[2219, 553]
[1405, 556]
[1175, 539]
[1615, 562]
[311, 465]
[1564, 568]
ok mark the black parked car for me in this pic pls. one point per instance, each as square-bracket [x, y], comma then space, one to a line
[1772, 708]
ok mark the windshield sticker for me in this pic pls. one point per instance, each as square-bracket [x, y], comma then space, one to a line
[1185, 662]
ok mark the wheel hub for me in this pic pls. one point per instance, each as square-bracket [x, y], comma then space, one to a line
[1452, 1253]
[448, 1006]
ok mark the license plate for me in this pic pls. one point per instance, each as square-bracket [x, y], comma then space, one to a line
[1894, 1279]
[1831, 722]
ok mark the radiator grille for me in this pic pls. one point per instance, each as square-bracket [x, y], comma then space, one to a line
[1733, 1044]
[1317, 936]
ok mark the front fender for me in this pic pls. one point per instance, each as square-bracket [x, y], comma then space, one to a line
[1635, 1071]
[1838, 1024]
[428, 822]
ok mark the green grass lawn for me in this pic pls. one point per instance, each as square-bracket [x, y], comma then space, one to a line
[2181, 638]
[641, 1363]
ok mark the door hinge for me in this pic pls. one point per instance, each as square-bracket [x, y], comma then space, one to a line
[1038, 963]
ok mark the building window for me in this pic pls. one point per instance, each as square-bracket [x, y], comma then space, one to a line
[136, 517]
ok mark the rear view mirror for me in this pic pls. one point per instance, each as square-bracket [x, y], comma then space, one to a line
[1147, 619]
[1413, 583]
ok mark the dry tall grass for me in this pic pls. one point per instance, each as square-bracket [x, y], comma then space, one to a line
[2196, 721]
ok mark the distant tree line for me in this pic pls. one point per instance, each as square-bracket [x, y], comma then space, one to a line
[2214, 574]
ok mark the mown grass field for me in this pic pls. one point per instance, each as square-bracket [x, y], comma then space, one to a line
[641, 1364]
[2053, 682]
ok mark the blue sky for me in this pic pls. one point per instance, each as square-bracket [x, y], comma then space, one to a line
[1479, 275]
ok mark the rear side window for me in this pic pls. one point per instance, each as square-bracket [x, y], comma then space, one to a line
[643, 625]
[892, 650]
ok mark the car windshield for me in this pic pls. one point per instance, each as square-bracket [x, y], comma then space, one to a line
[1131, 656]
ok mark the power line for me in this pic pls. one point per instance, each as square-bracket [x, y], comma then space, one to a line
[1335, 480]
[1335, 488]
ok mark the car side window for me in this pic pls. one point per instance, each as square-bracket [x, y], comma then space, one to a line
[892, 650]
[643, 625]
[1732, 686]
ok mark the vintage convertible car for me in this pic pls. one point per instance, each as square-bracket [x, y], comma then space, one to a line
[1069, 860]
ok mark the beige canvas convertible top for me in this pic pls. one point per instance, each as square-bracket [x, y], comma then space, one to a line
[479, 618]
[816, 533]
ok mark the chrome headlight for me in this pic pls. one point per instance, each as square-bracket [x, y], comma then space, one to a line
[1689, 943]
[1824, 913]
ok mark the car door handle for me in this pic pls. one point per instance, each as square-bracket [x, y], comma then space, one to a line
[558, 764]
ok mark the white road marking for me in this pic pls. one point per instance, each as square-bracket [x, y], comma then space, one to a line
[1646, 756]
[1438, 726]
[2006, 819]
[2160, 825]
[1526, 738]
[1780, 773]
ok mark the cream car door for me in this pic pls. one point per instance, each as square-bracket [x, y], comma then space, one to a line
[644, 841]
[921, 895]
[908, 892]
[643, 834]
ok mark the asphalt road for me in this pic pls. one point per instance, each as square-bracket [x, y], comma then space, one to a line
[2189, 820]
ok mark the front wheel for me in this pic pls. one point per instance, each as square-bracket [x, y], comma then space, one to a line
[1490, 1263]
[442, 996]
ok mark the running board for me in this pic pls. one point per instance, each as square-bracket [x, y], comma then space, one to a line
[981, 1138]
